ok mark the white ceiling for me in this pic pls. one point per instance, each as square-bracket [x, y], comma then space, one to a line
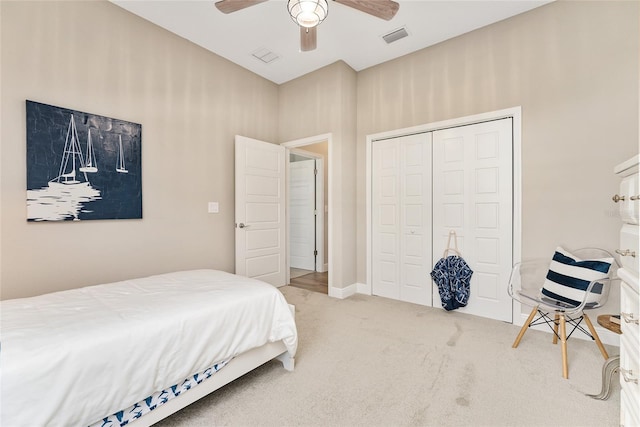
[347, 34]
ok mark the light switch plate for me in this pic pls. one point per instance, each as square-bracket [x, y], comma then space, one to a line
[213, 207]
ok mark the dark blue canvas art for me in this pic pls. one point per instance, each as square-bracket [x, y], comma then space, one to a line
[81, 166]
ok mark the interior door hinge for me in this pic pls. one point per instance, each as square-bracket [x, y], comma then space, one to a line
[315, 171]
[315, 253]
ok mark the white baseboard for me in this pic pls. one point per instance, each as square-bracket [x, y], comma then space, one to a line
[323, 269]
[606, 336]
[363, 288]
[343, 293]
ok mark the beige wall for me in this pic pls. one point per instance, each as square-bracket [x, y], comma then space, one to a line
[96, 57]
[329, 106]
[573, 67]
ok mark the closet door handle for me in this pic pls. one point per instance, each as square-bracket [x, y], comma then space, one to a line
[617, 199]
[634, 198]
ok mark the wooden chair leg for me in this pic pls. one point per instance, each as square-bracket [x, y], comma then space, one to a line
[525, 327]
[556, 320]
[595, 336]
[563, 344]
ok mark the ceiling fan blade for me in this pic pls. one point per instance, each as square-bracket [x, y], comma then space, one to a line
[384, 9]
[229, 6]
[308, 38]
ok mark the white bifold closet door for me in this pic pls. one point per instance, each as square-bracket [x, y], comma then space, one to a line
[401, 218]
[473, 195]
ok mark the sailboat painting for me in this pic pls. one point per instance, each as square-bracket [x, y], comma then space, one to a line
[120, 164]
[81, 166]
[91, 164]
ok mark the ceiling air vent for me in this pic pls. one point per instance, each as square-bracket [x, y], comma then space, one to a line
[265, 55]
[394, 35]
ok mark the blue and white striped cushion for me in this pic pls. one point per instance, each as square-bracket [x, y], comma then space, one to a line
[569, 277]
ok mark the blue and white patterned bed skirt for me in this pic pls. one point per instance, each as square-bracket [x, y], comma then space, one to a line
[125, 416]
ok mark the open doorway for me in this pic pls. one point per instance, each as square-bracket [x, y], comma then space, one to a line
[308, 213]
[306, 220]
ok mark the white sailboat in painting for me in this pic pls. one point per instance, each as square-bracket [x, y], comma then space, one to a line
[92, 165]
[120, 167]
[67, 194]
[72, 161]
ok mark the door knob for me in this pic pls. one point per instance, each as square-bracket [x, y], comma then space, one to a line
[627, 375]
[628, 318]
[241, 225]
[617, 199]
[626, 252]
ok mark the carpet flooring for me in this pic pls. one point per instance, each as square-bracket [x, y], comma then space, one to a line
[370, 361]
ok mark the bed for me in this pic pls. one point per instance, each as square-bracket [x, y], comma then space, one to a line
[98, 355]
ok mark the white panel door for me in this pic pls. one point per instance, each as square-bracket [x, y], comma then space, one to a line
[473, 195]
[402, 218]
[386, 219]
[260, 210]
[415, 219]
[302, 195]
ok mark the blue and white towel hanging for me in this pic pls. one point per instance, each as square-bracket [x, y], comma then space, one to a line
[453, 276]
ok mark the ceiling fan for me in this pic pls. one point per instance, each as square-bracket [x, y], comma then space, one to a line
[308, 14]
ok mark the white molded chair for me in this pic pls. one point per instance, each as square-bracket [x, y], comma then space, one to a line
[530, 285]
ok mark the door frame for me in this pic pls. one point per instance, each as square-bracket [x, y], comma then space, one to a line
[319, 201]
[516, 114]
[298, 143]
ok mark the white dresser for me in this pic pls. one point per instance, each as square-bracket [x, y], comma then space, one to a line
[629, 205]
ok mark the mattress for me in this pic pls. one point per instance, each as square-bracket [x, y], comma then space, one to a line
[83, 354]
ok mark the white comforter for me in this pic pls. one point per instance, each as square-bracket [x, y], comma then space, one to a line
[73, 357]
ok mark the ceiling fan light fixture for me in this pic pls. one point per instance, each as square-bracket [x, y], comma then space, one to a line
[308, 13]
